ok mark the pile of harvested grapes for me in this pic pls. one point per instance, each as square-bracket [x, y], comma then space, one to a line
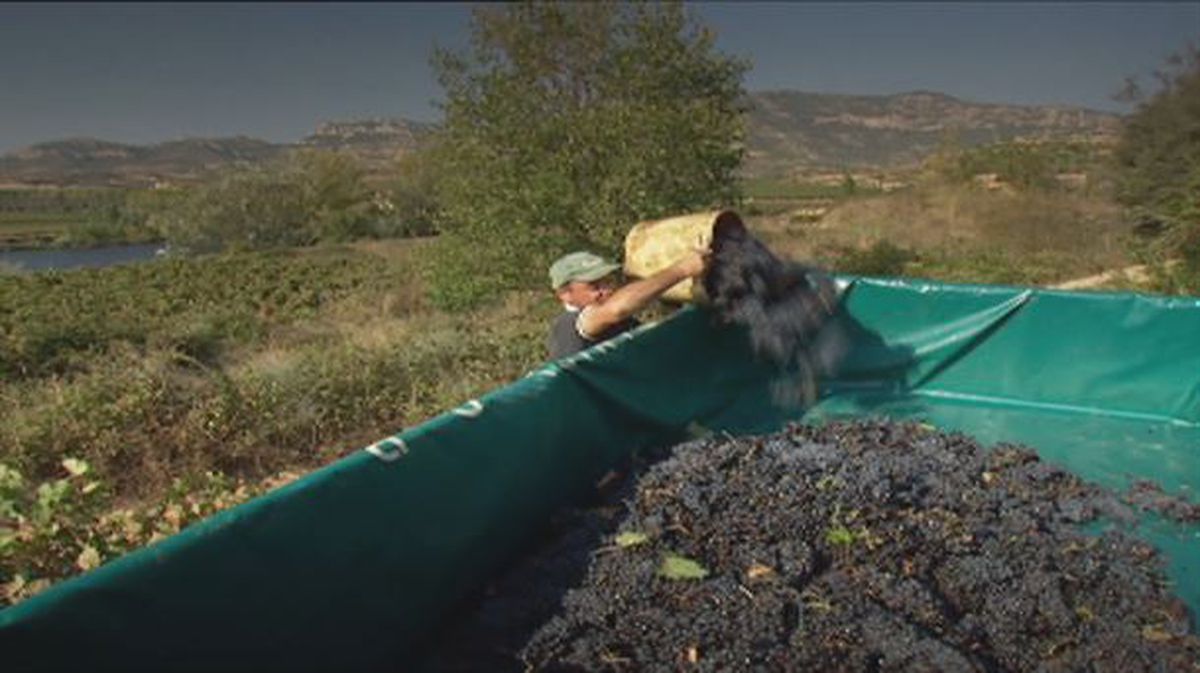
[862, 546]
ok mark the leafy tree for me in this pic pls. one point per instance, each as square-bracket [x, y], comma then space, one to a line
[244, 208]
[565, 124]
[334, 194]
[412, 196]
[1158, 159]
[311, 196]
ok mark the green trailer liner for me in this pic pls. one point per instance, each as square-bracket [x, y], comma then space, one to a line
[354, 565]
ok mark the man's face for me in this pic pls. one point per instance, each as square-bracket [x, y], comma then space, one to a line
[580, 293]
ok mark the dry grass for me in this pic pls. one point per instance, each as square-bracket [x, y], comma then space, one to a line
[1058, 235]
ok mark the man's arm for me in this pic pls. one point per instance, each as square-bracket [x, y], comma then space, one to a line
[635, 296]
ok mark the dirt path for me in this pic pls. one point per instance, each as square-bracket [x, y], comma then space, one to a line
[1138, 274]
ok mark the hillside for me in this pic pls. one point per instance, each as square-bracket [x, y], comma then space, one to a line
[791, 130]
[91, 162]
[788, 131]
[95, 163]
[376, 141]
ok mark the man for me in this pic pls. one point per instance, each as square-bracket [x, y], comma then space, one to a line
[595, 309]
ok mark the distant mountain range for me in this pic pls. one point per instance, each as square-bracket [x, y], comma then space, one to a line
[91, 162]
[788, 131]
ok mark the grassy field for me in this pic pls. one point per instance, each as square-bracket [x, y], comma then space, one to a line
[68, 231]
[19, 230]
[779, 189]
[1012, 213]
[68, 217]
[137, 399]
[798, 198]
[960, 233]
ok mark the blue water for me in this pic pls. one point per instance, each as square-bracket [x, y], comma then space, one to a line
[79, 258]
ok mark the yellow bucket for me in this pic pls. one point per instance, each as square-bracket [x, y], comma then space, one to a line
[654, 245]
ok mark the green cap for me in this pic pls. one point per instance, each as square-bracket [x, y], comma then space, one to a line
[582, 266]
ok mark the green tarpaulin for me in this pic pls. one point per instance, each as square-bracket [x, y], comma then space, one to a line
[352, 566]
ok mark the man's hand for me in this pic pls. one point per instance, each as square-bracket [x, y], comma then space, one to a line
[694, 263]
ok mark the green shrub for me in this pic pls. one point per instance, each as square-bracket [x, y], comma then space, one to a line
[311, 196]
[412, 205]
[1159, 172]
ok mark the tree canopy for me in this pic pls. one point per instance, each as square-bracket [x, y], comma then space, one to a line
[565, 124]
[1159, 161]
[310, 196]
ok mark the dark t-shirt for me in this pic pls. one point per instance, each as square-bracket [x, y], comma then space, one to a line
[565, 338]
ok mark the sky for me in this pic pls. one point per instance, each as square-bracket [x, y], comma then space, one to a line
[147, 72]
